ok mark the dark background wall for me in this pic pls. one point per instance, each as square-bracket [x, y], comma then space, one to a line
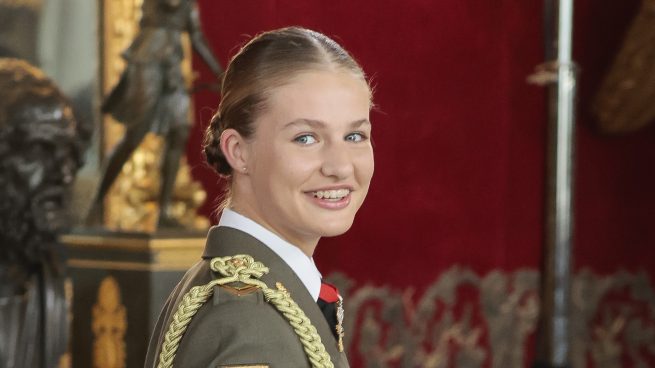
[460, 137]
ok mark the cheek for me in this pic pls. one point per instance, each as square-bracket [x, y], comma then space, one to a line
[364, 166]
[274, 178]
[292, 167]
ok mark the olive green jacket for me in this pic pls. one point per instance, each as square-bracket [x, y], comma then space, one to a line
[232, 330]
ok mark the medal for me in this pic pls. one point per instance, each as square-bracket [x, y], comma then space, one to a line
[339, 327]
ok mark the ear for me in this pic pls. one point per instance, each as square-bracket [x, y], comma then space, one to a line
[235, 150]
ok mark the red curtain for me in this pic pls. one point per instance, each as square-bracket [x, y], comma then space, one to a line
[460, 137]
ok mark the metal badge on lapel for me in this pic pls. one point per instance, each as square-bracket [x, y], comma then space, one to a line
[340, 331]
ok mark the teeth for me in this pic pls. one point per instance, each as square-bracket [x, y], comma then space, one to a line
[331, 194]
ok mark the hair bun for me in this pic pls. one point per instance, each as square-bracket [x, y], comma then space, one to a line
[212, 148]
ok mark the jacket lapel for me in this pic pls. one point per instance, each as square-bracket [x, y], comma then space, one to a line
[224, 241]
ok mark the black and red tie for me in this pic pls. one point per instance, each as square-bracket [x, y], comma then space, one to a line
[327, 301]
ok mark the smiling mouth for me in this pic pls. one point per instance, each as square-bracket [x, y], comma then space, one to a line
[331, 195]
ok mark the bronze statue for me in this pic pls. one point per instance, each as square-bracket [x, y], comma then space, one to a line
[40, 151]
[151, 94]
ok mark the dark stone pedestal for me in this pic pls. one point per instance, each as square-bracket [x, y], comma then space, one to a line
[543, 364]
[120, 282]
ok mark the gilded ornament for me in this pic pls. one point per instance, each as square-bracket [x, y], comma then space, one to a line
[623, 102]
[109, 325]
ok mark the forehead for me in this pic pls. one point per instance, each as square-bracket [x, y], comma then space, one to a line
[330, 96]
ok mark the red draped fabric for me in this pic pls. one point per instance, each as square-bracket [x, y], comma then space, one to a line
[460, 138]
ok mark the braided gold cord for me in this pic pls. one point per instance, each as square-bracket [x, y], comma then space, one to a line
[307, 333]
[243, 268]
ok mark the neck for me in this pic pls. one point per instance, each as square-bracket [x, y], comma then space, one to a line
[306, 244]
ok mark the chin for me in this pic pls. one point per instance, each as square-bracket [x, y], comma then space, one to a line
[335, 229]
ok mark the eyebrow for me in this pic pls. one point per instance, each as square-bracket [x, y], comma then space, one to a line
[321, 124]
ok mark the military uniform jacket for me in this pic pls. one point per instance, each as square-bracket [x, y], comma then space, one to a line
[241, 330]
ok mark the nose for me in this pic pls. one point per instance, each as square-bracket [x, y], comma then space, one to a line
[337, 162]
[32, 174]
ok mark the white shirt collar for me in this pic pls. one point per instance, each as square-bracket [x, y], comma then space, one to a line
[300, 263]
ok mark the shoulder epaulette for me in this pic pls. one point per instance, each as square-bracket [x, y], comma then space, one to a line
[243, 270]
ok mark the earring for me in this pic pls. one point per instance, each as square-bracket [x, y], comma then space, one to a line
[244, 169]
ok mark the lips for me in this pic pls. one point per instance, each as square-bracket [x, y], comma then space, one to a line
[331, 198]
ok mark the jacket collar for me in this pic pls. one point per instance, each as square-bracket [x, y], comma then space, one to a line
[302, 265]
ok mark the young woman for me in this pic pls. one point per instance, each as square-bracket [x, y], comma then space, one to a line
[292, 134]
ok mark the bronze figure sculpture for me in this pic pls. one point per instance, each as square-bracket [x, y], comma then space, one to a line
[151, 94]
[40, 151]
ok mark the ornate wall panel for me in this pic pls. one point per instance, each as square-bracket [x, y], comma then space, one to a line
[468, 320]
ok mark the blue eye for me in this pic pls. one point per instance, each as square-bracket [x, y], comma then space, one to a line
[305, 139]
[355, 137]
